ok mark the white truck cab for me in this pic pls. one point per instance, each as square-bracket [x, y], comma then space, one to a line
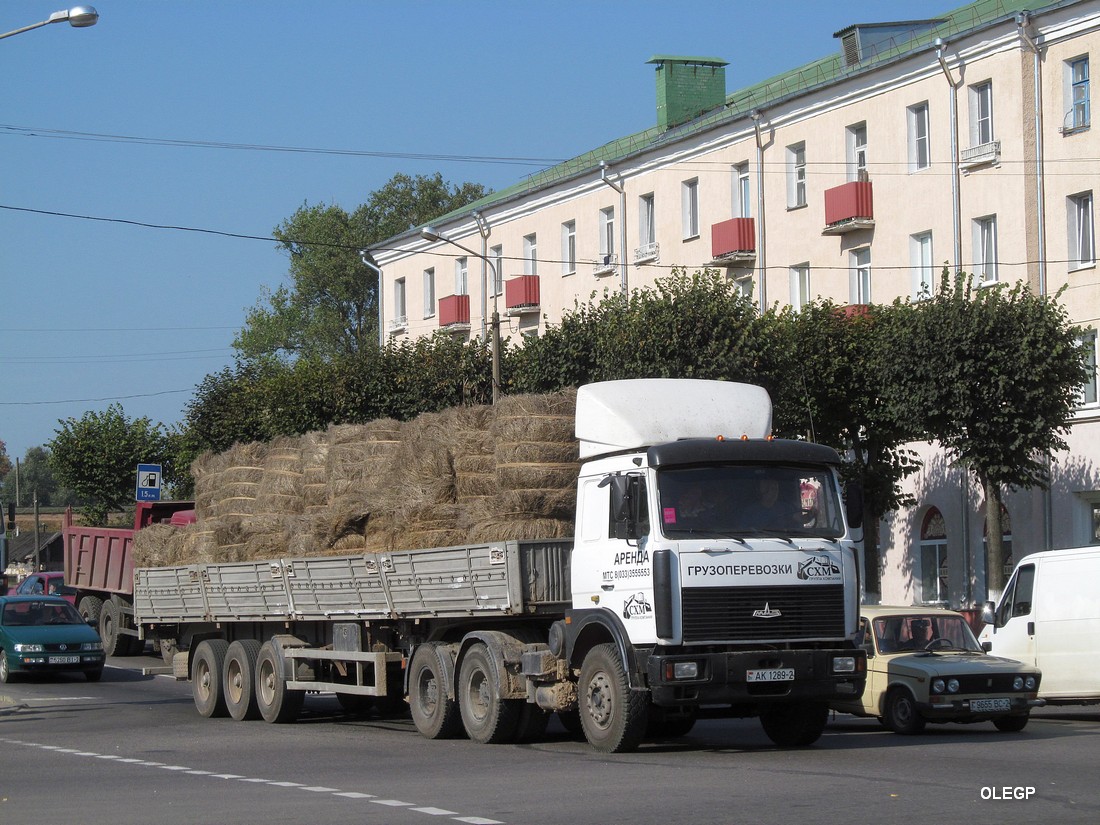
[718, 558]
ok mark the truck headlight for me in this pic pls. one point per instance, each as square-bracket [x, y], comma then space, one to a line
[844, 664]
[685, 670]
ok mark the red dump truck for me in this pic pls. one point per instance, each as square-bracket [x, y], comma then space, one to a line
[99, 564]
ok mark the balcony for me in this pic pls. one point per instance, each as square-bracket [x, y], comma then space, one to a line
[985, 153]
[521, 295]
[397, 325]
[849, 208]
[606, 265]
[647, 252]
[733, 242]
[454, 313]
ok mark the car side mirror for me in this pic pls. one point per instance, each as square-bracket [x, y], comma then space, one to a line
[987, 647]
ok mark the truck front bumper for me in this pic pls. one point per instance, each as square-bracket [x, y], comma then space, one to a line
[755, 676]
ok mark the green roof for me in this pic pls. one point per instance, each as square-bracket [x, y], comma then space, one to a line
[762, 95]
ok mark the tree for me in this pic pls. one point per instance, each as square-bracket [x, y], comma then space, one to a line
[992, 374]
[330, 308]
[35, 478]
[5, 462]
[97, 458]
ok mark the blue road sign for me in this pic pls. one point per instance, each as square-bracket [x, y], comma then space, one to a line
[148, 482]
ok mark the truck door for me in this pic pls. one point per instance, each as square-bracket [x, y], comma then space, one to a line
[1014, 634]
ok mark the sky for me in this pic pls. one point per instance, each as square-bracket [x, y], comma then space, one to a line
[135, 153]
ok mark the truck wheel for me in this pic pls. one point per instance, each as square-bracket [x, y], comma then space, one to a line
[1011, 724]
[114, 643]
[277, 703]
[239, 678]
[901, 714]
[435, 715]
[89, 608]
[612, 715]
[206, 678]
[488, 719]
[795, 726]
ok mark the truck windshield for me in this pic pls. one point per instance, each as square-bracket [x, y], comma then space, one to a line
[741, 500]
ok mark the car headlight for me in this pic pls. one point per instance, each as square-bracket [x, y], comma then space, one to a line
[94, 646]
[1030, 683]
[937, 685]
[1018, 683]
[952, 685]
[27, 648]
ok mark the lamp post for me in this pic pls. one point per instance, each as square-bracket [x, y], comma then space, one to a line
[79, 17]
[428, 233]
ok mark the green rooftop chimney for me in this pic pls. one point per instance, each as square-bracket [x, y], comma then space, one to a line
[687, 87]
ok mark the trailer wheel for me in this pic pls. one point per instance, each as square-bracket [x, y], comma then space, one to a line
[795, 726]
[612, 715]
[239, 678]
[207, 688]
[89, 608]
[110, 623]
[435, 715]
[277, 703]
[488, 719]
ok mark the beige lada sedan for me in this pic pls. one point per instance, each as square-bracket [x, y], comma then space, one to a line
[924, 665]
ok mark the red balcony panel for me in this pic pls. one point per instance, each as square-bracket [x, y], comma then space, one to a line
[734, 235]
[522, 292]
[849, 201]
[454, 309]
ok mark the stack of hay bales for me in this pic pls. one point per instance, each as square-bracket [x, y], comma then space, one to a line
[464, 475]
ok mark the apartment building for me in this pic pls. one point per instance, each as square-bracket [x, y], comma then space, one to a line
[962, 140]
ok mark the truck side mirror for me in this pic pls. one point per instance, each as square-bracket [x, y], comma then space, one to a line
[853, 503]
[626, 502]
[989, 615]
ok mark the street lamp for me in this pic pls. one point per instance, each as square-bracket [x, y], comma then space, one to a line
[79, 17]
[429, 233]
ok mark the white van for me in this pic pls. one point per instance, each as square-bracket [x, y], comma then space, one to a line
[1049, 616]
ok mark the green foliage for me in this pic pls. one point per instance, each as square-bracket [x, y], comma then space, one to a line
[35, 479]
[407, 201]
[97, 458]
[5, 462]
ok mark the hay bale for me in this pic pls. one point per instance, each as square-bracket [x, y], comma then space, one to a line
[157, 545]
[536, 476]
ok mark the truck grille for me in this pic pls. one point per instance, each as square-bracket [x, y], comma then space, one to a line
[795, 612]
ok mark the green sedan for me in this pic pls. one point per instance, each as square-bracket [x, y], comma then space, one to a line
[45, 634]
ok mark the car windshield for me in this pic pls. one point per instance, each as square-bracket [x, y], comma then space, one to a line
[741, 500]
[28, 614]
[918, 632]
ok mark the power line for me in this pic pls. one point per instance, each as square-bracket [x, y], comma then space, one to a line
[91, 400]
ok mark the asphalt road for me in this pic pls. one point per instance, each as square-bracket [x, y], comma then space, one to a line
[132, 749]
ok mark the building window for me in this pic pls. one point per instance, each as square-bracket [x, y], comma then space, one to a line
[800, 286]
[530, 255]
[496, 254]
[462, 277]
[856, 150]
[919, 154]
[400, 316]
[924, 275]
[690, 204]
[796, 175]
[1087, 396]
[744, 286]
[859, 284]
[933, 558]
[742, 200]
[1082, 240]
[607, 233]
[981, 114]
[647, 230]
[568, 247]
[985, 249]
[429, 292]
[1077, 94]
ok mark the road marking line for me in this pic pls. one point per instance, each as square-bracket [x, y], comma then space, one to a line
[318, 789]
[477, 820]
[355, 795]
[434, 811]
[393, 803]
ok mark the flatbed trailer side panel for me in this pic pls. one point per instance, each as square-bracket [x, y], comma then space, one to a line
[504, 578]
